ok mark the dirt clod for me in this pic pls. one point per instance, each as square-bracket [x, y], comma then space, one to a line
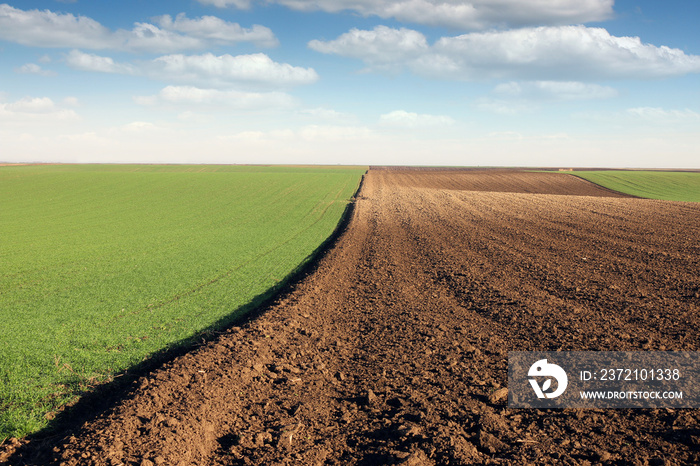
[500, 395]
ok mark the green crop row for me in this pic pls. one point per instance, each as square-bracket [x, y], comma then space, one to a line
[666, 185]
[101, 266]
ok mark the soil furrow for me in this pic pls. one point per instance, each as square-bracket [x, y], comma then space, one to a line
[394, 350]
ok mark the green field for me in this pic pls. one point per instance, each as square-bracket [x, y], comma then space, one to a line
[101, 266]
[670, 186]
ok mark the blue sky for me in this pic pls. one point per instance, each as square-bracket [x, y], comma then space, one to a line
[426, 82]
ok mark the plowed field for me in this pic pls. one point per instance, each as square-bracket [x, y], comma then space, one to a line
[393, 350]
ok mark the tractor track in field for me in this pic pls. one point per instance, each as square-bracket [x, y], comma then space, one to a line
[393, 350]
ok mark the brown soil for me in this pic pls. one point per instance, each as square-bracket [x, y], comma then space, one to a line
[394, 350]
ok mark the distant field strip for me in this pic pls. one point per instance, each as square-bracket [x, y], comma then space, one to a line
[101, 266]
[670, 186]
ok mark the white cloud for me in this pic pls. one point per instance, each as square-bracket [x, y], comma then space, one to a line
[522, 97]
[662, 115]
[381, 48]
[510, 89]
[566, 53]
[643, 119]
[563, 53]
[208, 70]
[146, 37]
[326, 114]
[460, 14]
[32, 105]
[241, 4]
[46, 28]
[503, 106]
[33, 109]
[554, 90]
[33, 68]
[188, 95]
[29, 68]
[217, 30]
[91, 62]
[308, 134]
[406, 119]
[255, 69]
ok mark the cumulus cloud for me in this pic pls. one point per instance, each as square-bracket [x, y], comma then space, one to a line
[146, 37]
[32, 105]
[255, 69]
[554, 90]
[663, 115]
[91, 62]
[217, 30]
[402, 118]
[189, 96]
[241, 4]
[33, 68]
[381, 48]
[504, 106]
[563, 53]
[325, 114]
[46, 28]
[658, 118]
[49, 29]
[522, 97]
[35, 108]
[459, 14]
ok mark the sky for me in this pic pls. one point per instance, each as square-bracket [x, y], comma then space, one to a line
[560, 83]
